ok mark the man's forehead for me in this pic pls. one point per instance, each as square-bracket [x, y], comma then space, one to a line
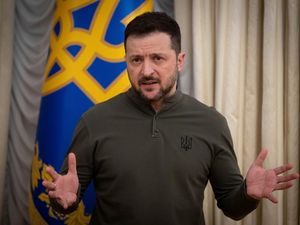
[153, 54]
[152, 41]
[150, 37]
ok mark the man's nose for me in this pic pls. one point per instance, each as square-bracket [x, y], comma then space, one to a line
[147, 69]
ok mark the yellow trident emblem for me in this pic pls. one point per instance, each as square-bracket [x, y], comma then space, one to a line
[92, 45]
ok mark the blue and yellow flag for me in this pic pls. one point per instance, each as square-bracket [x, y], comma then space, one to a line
[85, 66]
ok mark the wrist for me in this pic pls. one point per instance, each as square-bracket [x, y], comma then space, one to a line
[248, 193]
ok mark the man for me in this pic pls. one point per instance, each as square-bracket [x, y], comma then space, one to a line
[152, 150]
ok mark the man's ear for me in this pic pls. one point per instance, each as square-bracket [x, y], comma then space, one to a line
[180, 61]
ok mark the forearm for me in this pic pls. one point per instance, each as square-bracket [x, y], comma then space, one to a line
[237, 204]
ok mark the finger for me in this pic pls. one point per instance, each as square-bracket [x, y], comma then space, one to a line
[286, 178]
[283, 169]
[57, 194]
[63, 203]
[52, 172]
[54, 194]
[68, 201]
[261, 157]
[272, 198]
[72, 163]
[71, 199]
[58, 197]
[50, 186]
[283, 186]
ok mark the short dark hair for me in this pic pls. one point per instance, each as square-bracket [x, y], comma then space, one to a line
[150, 22]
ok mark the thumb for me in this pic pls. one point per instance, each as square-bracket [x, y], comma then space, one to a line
[261, 157]
[272, 198]
[72, 163]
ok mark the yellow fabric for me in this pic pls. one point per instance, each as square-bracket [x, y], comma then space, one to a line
[245, 61]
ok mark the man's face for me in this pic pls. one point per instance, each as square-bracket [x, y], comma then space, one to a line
[153, 66]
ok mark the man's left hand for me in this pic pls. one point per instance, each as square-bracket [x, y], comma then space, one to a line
[262, 182]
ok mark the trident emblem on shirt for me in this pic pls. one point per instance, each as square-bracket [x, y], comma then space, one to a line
[186, 143]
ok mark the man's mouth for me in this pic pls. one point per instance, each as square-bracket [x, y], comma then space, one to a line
[148, 81]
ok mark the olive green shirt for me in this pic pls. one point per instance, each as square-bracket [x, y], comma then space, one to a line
[151, 168]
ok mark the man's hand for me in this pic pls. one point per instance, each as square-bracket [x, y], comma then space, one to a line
[262, 182]
[63, 188]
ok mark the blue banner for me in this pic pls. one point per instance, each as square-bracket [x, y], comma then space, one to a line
[85, 66]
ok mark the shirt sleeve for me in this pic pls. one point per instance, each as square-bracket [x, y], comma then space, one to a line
[227, 182]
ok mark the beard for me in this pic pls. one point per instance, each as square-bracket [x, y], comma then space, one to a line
[162, 93]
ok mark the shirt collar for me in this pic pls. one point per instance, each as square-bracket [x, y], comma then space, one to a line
[145, 106]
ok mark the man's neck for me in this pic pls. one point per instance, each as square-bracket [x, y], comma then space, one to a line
[157, 105]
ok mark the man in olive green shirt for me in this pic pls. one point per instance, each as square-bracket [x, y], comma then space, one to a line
[152, 150]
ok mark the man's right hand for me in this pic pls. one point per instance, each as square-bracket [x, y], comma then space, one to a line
[63, 188]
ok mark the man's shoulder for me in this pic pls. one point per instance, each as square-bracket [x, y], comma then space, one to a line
[204, 116]
[193, 103]
[111, 105]
[198, 108]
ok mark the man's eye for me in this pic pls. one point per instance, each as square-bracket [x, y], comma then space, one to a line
[136, 60]
[158, 59]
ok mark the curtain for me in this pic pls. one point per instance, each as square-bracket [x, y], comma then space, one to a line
[244, 61]
[30, 20]
[6, 49]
